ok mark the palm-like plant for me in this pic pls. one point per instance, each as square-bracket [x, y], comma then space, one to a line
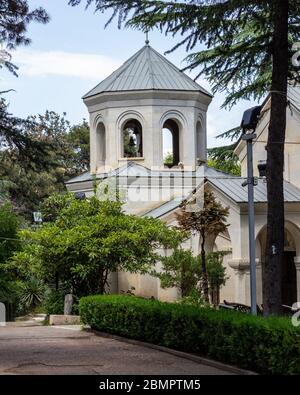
[32, 293]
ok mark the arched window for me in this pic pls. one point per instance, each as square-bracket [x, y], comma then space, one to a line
[200, 143]
[171, 152]
[132, 139]
[101, 144]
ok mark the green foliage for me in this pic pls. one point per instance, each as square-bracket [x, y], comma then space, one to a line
[238, 38]
[55, 203]
[208, 220]
[79, 141]
[215, 270]
[265, 345]
[5, 187]
[9, 289]
[9, 226]
[9, 285]
[181, 270]
[194, 299]
[37, 176]
[32, 293]
[229, 166]
[184, 271]
[88, 240]
[223, 158]
[15, 138]
[216, 274]
[54, 300]
[15, 17]
[130, 147]
[169, 159]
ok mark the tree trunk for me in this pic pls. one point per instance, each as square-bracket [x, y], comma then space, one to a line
[204, 271]
[272, 298]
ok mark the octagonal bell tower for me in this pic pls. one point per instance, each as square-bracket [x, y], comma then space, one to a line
[142, 103]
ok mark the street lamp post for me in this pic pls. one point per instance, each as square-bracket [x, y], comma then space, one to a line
[249, 123]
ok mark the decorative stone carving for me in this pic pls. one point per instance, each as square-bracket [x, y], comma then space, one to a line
[241, 264]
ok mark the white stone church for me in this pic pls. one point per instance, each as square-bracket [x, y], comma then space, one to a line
[149, 100]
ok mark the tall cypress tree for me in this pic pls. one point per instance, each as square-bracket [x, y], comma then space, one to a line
[248, 53]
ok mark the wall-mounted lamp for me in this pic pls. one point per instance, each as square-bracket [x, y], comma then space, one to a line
[262, 168]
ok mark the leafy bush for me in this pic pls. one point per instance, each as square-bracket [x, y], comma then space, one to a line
[216, 274]
[9, 284]
[55, 300]
[32, 293]
[9, 226]
[90, 239]
[265, 345]
[181, 270]
[194, 299]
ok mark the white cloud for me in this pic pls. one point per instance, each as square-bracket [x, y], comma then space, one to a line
[68, 64]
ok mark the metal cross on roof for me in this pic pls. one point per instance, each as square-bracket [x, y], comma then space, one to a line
[147, 37]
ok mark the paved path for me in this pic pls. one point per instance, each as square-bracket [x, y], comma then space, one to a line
[68, 350]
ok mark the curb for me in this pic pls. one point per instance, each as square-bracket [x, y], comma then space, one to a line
[181, 354]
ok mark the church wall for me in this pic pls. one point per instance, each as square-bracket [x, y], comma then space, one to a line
[227, 292]
[292, 150]
[152, 115]
[292, 146]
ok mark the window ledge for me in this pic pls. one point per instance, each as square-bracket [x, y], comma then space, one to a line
[129, 159]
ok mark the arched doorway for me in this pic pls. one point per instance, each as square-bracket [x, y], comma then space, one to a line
[171, 145]
[289, 275]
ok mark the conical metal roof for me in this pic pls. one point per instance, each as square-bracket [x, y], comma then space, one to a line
[147, 70]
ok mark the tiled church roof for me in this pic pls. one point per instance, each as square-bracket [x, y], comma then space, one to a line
[229, 185]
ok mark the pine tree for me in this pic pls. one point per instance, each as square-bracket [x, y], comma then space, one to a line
[248, 54]
[15, 16]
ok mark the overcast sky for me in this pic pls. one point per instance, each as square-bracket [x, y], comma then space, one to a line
[74, 52]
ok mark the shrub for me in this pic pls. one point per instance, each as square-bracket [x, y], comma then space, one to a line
[265, 345]
[32, 293]
[55, 300]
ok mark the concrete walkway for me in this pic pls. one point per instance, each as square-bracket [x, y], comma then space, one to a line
[69, 350]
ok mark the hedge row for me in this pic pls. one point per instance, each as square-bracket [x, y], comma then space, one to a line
[265, 345]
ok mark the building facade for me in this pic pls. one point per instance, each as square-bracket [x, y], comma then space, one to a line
[132, 112]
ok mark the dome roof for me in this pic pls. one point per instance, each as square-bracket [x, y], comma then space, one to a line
[147, 70]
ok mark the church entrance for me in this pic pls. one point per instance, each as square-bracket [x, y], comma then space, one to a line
[289, 273]
[289, 279]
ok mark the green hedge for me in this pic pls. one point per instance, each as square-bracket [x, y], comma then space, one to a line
[265, 345]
